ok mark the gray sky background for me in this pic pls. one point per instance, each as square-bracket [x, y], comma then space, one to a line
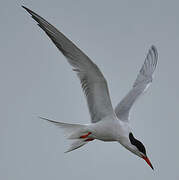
[37, 80]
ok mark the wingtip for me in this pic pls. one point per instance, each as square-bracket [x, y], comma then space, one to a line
[154, 49]
[25, 8]
[45, 119]
[40, 117]
[28, 10]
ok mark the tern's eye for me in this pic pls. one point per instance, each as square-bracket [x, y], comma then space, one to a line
[137, 143]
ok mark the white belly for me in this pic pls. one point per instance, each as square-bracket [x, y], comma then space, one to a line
[104, 130]
[109, 129]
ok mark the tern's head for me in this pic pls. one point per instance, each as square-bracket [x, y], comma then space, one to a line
[138, 148]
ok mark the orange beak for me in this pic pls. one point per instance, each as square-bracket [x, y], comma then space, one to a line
[148, 161]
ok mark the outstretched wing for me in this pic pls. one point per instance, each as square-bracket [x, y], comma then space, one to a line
[144, 79]
[92, 80]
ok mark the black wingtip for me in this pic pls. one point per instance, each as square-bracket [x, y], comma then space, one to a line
[25, 8]
[28, 10]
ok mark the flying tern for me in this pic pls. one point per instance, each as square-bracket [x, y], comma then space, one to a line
[107, 124]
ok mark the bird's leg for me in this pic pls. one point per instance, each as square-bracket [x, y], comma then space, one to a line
[85, 135]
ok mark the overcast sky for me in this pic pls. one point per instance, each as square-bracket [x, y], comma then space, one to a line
[36, 80]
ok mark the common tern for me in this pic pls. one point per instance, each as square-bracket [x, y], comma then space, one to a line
[107, 124]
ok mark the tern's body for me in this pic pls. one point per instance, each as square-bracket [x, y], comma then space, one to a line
[108, 124]
[109, 129]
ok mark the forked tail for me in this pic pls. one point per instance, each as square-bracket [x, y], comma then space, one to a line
[77, 132]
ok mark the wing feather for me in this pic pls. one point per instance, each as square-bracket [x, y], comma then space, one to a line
[144, 79]
[92, 80]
